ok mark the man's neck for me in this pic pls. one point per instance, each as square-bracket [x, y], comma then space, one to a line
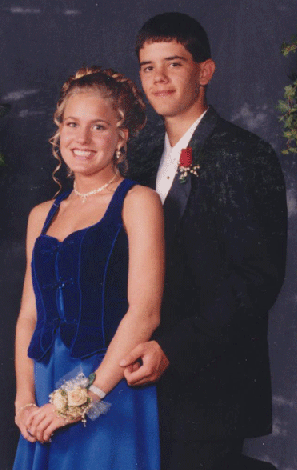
[177, 126]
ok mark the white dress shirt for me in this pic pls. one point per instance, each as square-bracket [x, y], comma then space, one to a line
[170, 160]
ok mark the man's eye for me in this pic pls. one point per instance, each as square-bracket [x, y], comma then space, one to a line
[149, 68]
[175, 64]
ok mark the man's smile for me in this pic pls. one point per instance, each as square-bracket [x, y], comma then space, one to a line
[163, 92]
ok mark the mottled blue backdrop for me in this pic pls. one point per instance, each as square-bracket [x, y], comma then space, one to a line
[42, 42]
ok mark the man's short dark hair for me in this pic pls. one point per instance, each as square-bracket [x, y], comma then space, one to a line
[179, 27]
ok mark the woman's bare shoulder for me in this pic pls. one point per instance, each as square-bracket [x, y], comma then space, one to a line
[38, 215]
[41, 210]
[142, 206]
[142, 195]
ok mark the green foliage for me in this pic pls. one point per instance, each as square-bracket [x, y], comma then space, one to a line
[288, 47]
[288, 106]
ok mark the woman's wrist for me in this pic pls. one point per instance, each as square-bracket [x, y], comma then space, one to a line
[76, 398]
[24, 400]
[24, 396]
[19, 409]
[97, 391]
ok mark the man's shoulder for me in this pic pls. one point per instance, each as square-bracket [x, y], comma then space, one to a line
[230, 142]
[226, 132]
[230, 151]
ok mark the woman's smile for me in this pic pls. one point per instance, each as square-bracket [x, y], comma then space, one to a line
[89, 133]
[84, 154]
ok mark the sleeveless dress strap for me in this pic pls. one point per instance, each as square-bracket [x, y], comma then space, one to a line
[53, 210]
[116, 204]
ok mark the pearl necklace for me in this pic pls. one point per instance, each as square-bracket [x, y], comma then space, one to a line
[95, 191]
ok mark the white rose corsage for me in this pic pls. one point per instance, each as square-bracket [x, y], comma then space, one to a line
[71, 399]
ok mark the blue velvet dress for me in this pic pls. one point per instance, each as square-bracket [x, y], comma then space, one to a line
[81, 295]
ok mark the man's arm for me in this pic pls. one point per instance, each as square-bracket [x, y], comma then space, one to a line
[252, 222]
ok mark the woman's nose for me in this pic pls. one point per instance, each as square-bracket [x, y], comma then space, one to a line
[83, 135]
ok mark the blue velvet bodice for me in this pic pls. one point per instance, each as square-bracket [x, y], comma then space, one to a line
[81, 283]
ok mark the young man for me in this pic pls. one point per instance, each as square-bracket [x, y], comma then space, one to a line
[225, 230]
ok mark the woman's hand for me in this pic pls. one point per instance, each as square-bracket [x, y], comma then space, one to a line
[21, 419]
[42, 423]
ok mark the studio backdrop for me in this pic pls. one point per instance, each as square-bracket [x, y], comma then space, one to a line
[42, 42]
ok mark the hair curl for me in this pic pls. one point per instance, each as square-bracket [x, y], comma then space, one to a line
[125, 99]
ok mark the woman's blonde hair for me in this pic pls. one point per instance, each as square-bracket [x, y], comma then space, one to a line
[125, 99]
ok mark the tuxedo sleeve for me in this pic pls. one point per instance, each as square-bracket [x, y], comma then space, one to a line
[233, 238]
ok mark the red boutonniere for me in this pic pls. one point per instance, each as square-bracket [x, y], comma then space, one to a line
[186, 164]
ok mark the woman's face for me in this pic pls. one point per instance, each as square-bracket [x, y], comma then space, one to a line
[89, 135]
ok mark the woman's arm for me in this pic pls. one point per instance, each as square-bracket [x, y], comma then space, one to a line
[25, 392]
[143, 222]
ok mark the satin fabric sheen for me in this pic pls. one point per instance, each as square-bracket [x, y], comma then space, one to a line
[127, 437]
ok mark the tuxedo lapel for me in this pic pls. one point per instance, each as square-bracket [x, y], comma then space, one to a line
[202, 132]
[174, 207]
[177, 198]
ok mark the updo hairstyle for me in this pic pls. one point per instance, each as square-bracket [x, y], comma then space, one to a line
[125, 99]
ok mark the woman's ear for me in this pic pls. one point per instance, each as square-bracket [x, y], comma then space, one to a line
[207, 70]
[124, 134]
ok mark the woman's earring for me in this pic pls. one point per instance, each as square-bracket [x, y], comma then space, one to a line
[118, 154]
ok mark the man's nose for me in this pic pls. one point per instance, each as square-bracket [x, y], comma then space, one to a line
[160, 75]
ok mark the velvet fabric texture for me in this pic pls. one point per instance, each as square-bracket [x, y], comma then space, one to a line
[83, 291]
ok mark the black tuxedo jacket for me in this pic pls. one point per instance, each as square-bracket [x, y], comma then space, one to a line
[225, 236]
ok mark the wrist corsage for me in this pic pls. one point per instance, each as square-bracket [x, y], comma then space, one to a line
[71, 400]
[186, 165]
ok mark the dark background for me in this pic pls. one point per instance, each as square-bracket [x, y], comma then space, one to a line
[42, 42]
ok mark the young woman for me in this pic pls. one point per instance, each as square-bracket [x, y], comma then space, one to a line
[92, 292]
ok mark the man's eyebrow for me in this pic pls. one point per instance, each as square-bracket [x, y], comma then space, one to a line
[174, 57]
[145, 63]
[179, 57]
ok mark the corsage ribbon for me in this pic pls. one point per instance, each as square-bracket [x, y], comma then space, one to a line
[71, 399]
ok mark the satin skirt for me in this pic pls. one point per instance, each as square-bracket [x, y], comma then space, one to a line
[126, 438]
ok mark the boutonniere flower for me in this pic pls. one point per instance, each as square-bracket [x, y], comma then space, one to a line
[186, 164]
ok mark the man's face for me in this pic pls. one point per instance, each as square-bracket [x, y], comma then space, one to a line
[170, 78]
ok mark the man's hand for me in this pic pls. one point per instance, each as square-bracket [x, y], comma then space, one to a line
[153, 364]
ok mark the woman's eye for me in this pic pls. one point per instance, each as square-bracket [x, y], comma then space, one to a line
[99, 127]
[71, 124]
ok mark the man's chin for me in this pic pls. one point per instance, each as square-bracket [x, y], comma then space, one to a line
[165, 112]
